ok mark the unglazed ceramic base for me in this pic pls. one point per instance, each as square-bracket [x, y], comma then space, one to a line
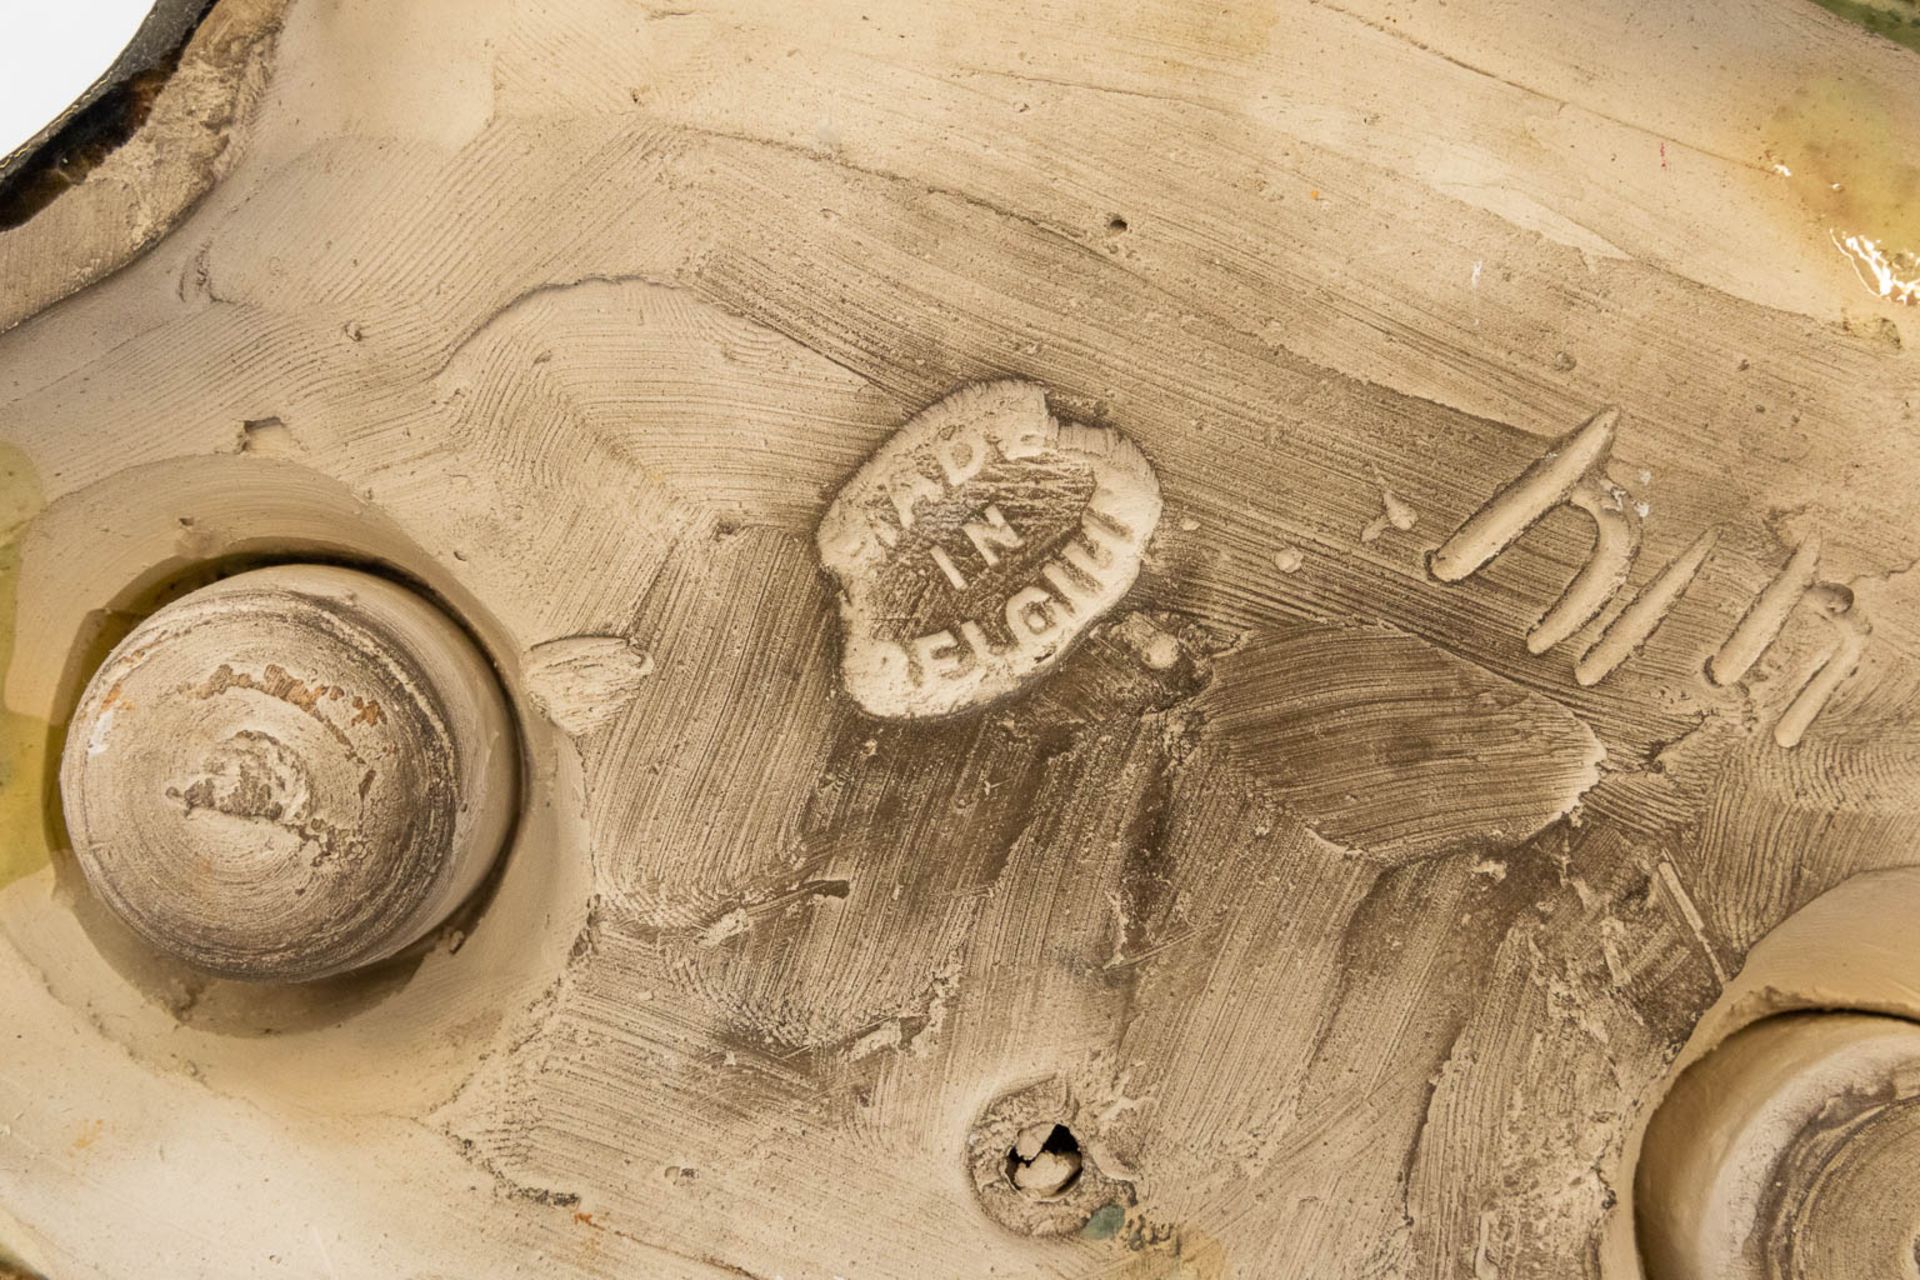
[1150, 639]
[290, 773]
[1789, 1151]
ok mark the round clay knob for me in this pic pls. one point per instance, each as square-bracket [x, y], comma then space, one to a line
[291, 773]
[1790, 1152]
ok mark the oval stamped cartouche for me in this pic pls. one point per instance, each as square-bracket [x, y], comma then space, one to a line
[977, 544]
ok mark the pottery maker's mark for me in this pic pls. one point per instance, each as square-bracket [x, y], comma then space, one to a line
[977, 544]
[1573, 473]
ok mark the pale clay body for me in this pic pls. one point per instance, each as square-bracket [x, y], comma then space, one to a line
[1355, 905]
[291, 773]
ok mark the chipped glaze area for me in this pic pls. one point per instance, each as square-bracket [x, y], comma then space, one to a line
[977, 545]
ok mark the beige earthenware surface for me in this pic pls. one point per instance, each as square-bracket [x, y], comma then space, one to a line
[1232, 793]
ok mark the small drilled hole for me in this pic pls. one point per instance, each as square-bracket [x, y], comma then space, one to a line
[1044, 1161]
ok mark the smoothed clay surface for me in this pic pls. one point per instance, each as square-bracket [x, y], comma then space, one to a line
[1515, 622]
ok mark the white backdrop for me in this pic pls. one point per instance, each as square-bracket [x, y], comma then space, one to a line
[50, 51]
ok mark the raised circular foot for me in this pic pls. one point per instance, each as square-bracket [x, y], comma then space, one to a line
[292, 773]
[1790, 1152]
